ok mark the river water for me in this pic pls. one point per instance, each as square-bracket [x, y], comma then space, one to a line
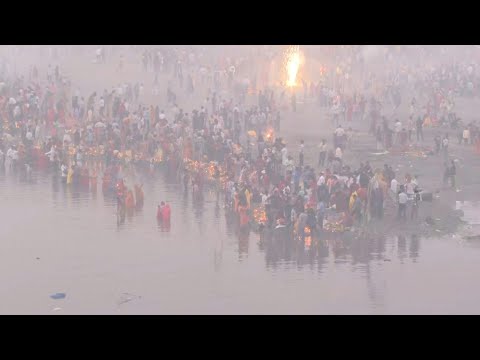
[57, 239]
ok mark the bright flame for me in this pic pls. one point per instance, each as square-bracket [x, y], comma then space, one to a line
[292, 64]
[269, 134]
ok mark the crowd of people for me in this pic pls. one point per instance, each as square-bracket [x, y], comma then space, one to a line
[226, 143]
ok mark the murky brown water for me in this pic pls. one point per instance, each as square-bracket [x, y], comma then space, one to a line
[203, 266]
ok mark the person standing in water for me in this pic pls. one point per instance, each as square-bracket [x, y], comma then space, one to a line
[160, 211]
[64, 171]
[243, 213]
[166, 211]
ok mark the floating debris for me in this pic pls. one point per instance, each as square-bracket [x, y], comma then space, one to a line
[126, 297]
[58, 296]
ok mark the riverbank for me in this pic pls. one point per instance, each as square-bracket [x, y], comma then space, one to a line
[436, 218]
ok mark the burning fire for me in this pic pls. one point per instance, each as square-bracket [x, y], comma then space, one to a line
[269, 135]
[292, 64]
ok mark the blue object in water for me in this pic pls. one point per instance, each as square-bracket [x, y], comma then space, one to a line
[58, 296]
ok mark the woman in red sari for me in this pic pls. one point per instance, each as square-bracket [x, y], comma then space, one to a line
[129, 200]
[243, 213]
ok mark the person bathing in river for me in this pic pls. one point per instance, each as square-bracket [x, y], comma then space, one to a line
[163, 212]
[129, 200]
[64, 171]
[160, 211]
[243, 213]
[166, 211]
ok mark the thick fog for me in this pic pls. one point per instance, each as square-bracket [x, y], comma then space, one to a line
[239, 179]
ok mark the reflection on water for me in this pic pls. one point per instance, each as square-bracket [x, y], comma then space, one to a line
[414, 247]
[202, 262]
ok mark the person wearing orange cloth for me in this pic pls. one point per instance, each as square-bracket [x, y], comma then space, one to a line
[129, 200]
[243, 212]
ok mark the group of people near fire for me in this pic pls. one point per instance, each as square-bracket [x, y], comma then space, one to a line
[224, 144]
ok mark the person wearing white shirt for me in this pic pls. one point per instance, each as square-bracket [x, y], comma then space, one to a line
[339, 131]
[12, 157]
[64, 172]
[284, 152]
[29, 135]
[402, 204]
[289, 165]
[51, 154]
[338, 153]
[8, 159]
[67, 138]
[323, 153]
[264, 199]
[394, 186]
[14, 154]
[321, 180]
[397, 128]
[466, 136]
